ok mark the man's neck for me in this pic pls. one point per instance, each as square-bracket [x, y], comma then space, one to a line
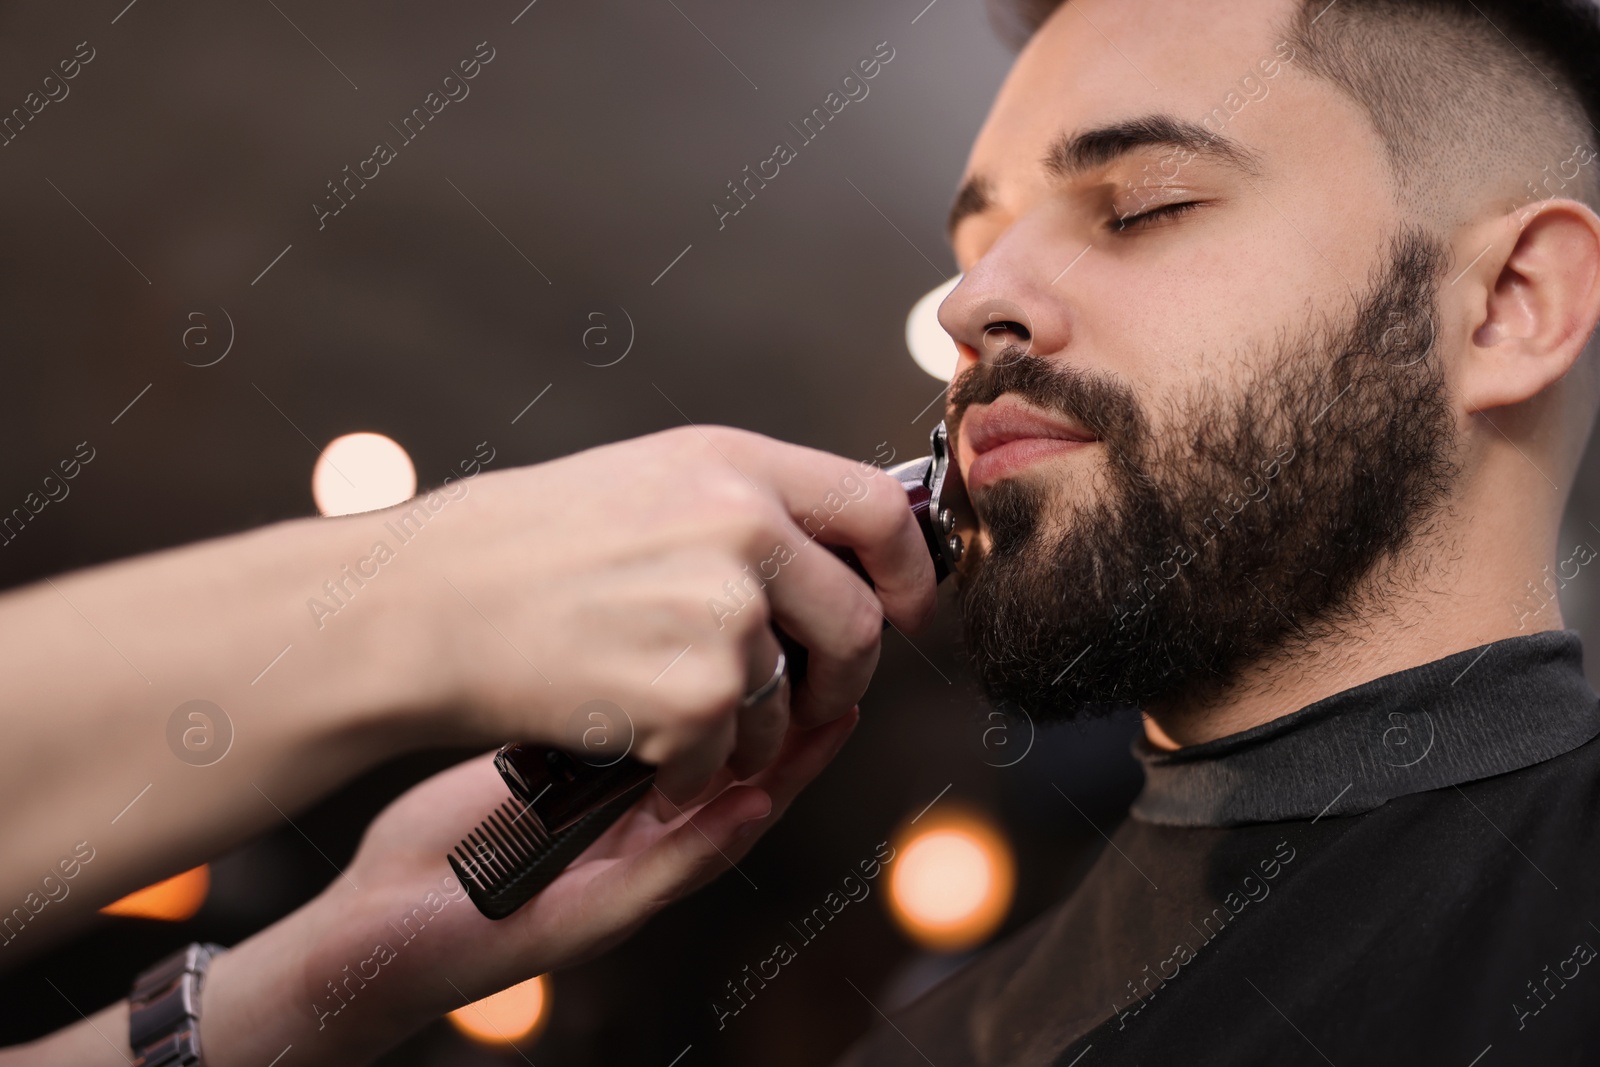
[1441, 608]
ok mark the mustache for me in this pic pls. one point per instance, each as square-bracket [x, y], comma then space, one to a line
[1100, 404]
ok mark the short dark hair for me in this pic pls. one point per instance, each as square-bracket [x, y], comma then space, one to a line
[1451, 84]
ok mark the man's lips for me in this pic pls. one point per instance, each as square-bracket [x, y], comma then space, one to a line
[1007, 435]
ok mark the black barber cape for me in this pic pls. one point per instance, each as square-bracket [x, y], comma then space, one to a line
[1407, 872]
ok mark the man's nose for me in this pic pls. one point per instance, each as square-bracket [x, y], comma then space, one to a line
[1016, 295]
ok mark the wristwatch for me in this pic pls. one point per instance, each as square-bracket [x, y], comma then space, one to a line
[164, 1009]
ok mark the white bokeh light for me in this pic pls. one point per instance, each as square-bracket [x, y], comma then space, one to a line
[362, 472]
[930, 346]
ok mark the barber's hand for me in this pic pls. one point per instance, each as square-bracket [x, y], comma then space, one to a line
[648, 573]
[400, 923]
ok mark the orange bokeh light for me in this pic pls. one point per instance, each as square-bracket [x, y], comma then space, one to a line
[952, 880]
[173, 900]
[507, 1016]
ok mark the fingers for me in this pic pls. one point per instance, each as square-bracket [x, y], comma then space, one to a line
[683, 859]
[686, 774]
[744, 741]
[841, 502]
[805, 753]
[816, 598]
[762, 726]
[721, 832]
[824, 606]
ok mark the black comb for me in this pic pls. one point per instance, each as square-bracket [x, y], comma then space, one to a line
[560, 804]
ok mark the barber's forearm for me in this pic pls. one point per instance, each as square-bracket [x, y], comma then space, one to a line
[256, 1002]
[101, 1040]
[254, 1005]
[95, 663]
[250, 1014]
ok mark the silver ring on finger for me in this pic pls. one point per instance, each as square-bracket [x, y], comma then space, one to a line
[770, 686]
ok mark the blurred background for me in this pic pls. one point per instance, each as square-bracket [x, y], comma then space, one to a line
[542, 268]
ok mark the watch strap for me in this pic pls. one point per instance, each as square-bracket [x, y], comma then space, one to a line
[164, 1009]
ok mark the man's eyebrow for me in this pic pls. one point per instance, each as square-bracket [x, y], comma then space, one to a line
[973, 199]
[1074, 154]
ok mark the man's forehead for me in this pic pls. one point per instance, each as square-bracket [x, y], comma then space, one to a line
[1096, 63]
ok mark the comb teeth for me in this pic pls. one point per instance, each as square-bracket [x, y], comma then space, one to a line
[510, 857]
[502, 843]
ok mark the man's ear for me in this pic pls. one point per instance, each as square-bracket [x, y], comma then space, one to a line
[1540, 305]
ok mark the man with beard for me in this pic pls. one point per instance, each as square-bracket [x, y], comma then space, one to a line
[1269, 419]
[1270, 448]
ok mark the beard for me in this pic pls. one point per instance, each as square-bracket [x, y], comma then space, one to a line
[1254, 522]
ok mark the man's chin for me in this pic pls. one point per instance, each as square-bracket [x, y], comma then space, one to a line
[1029, 518]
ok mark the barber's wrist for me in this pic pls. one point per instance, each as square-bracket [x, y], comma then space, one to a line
[391, 653]
[251, 1008]
[373, 665]
[258, 1003]
[262, 996]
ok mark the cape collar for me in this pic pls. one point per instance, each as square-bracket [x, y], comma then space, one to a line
[1486, 711]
